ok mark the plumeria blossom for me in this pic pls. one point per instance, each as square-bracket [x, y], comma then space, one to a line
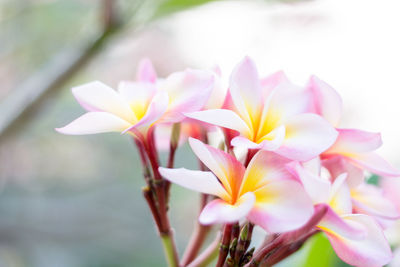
[356, 146]
[356, 238]
[137, 106]
[265, 192]
[270, 114]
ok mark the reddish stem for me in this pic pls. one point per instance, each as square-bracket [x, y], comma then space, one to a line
[290, 237]
[224, 247]
[288, 250]
[148, 195]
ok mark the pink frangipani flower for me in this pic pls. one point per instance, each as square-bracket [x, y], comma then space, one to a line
[136, 106]
[354, 145]
[265, 192]
[356, 238]
[270, 114]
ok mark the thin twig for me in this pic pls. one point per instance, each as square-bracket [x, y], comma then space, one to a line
[24, 101]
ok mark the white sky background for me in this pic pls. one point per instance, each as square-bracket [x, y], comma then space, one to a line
[353, 45]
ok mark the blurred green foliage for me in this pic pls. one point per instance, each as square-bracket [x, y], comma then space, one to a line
[170, 6]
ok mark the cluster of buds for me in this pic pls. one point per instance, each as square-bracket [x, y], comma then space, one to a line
[283, 162]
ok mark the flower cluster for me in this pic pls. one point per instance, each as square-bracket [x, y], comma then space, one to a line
[300, 174]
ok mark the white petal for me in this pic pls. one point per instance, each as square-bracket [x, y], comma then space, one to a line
[219, 211]
[94, 122]
[96, 96]
[203, 182]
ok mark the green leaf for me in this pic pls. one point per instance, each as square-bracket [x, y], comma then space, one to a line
[170, 6]
[320, 252]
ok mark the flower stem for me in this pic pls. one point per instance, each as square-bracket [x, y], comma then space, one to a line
[169, 249]
[155, 195]
[224, 247]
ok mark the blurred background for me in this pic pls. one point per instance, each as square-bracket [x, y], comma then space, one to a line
[76, 200]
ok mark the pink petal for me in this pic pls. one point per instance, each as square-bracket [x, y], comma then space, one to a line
[316, 187]
[96, 96]
[155, 111]
[340, 198]
[218, 93]
[204, 182]
[391, 189]
[313, 165]
[219, 211]
[326, 101]
[281, 205]
[332, 223]
[375, 164]
[269, 83]
[226, 167]
[369, 199]
[188, 92]
[264, 168]
[370, 251]
[94, 122]
[146, 72]
[352, 141]
[337, 165]
[307, 135]
[288, 100]
[245, 90]
[223, 118]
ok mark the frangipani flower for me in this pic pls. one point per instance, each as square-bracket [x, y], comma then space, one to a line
[356, 146]
[137, 106]
[270, 115]
[265, 192]
[356, 238]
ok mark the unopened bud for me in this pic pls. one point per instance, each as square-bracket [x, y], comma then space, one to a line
[233, 247]
[244, 232]
[229, 262]
[250, 252]
[175, 134]
[221, 145]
